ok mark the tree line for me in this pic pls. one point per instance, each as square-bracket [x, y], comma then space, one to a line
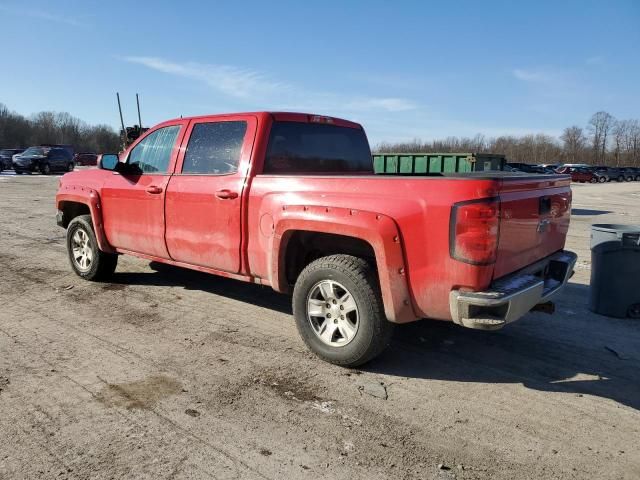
[604, 141]
[18, 131]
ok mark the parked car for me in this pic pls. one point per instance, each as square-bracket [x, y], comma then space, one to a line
[582, 174]
[509, 168]
[611, 173]
[85, 159]
[525, 167]
[550, 166]
[44, 160]
[6, 156]
[603, 172]
[636, 172]
[68, 148]
[630, 174]
[262, 198]
[574, 165]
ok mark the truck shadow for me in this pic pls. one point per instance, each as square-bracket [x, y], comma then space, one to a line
[573, 351]
[170, 276]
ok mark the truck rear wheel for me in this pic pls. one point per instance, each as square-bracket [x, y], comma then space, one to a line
[338, 310]
[86, 259]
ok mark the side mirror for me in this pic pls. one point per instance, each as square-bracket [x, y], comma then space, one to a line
[109, 161]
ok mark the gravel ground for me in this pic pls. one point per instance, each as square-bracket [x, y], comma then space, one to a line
[167, 373]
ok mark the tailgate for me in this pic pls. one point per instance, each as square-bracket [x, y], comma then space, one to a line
[534, 220]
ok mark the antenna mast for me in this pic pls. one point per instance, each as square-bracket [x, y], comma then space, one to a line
[124, 130]
[139, 117]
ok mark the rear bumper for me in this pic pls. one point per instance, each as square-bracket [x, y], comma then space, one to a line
[511, 297]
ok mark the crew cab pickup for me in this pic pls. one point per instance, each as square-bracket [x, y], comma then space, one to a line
[290, 200]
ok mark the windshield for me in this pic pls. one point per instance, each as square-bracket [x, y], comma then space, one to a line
[296, 147]
[33, 151]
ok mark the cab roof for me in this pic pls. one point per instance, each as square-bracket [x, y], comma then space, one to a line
[279, 117]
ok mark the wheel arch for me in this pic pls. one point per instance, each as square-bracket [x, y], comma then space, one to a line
[77, 201]
[336, 230]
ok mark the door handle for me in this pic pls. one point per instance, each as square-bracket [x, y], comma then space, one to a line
[226, 194]
[154, 189]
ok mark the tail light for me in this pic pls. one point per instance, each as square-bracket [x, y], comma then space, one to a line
[474, 230]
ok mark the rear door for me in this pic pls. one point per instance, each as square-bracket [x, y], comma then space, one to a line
[133, 203]
[204, 196]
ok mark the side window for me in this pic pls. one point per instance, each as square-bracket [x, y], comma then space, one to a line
[153, 153]
[214, 148]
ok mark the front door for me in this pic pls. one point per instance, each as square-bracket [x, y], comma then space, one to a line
[204, 196]
[133, 203]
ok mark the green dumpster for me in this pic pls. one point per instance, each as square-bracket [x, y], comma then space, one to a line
[436, 163]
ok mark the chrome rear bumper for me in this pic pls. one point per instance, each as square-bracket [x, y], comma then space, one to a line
[511, 297]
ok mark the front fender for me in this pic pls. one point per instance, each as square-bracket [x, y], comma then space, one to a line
[91, 198]
[380, 231]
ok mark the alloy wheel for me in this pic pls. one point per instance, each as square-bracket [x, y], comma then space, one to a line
[332, 313]
[82, 252]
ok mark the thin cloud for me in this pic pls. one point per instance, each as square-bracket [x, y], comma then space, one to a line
[229, 80]
[534, 76]
[43, 15]
[259, 88]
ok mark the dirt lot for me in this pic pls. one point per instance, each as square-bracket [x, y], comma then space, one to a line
[167, 373]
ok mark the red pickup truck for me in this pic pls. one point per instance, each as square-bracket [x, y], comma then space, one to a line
[290, 200]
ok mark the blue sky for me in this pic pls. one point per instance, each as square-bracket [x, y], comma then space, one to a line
[404, 70]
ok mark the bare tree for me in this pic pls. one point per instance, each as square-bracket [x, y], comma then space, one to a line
[633, 142]
[574, 141]
[600, 126]
[51, 127]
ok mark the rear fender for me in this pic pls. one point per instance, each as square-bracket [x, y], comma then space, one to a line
[90, 198]
[380, 231]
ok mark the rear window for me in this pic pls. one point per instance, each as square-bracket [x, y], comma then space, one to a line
[296, 147]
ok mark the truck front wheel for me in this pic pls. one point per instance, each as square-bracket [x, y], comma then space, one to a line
[338, 310]
[86, 259]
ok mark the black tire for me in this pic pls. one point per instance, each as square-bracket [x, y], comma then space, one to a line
[374, 331]
[45, 169]
[102, 264]
[602, 180]
[70, 167]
